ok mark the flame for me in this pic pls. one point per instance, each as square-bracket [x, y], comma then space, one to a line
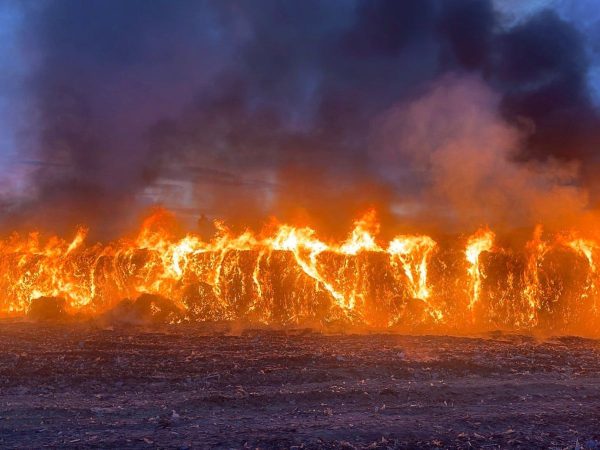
[481, 241]
[288, 275]
[587, 248]
[361, 238]
[536, 249]
[306, 248]
[412, 253]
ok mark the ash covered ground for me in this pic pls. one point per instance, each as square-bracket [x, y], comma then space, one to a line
[78, 385]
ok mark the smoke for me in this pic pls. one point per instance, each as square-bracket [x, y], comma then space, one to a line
[242, 110]
[465, 154]
[105, 72]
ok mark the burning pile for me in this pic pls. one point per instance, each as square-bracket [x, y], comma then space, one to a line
[289, 276]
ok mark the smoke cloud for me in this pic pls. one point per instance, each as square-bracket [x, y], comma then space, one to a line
[465, 154]
[310, 111]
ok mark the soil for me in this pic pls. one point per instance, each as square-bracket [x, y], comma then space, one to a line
[81, 386]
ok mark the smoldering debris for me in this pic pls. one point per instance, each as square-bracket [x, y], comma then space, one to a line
[48, 309]
[147, 309]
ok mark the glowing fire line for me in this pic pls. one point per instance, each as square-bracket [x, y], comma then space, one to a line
[251, 272]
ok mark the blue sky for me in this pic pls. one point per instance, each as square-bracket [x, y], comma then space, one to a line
[10, 70]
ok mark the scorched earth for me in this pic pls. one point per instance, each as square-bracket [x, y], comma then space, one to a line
[82, 386]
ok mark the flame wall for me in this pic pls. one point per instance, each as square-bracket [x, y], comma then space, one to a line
[290, 277]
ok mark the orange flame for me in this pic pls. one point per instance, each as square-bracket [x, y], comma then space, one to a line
[481, 241]
[290, 275]
[536, 250]
[413, 254]
[587, 248]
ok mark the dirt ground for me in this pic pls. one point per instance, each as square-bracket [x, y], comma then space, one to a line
[179, 387]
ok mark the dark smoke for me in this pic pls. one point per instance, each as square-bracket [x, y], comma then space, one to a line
[241, 110]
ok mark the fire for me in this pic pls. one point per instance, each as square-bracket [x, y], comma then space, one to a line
[361, 238]
[289, 275]
[306, 249]
[480, 242]
[536, 250]
[587, 248]
[412, 253]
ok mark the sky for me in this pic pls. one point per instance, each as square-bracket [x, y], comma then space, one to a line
[12, 71]
[243, 110]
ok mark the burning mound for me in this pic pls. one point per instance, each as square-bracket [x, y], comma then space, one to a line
[290, 277]
[147, 309]
[48, 309]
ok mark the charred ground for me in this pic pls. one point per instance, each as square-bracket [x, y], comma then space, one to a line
[77, 385]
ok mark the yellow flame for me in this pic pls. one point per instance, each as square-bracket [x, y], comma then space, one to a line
[536, 250]
[481, 241]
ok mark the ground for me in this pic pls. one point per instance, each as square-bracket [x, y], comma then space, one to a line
[180, 387]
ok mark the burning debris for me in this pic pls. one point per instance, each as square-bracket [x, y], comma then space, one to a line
[147, 309]
[48, 309]
[289, 277]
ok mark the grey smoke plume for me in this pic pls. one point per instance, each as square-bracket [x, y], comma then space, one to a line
[242, 110]
[466, 157]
